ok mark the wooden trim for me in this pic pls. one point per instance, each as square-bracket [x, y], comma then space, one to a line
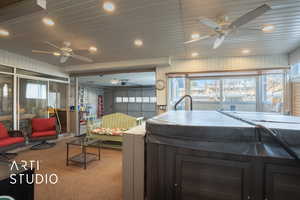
[224, 71]
[97, 73]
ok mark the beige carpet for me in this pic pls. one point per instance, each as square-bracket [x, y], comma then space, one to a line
[100, 181]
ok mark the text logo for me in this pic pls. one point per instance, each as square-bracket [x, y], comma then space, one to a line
[6, 198]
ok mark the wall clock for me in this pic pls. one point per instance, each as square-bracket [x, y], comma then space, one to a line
[160, 84]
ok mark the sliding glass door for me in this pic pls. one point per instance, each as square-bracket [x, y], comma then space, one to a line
[33, 102]
[6, 99]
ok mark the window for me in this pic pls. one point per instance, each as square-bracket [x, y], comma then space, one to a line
[119, 100]
[36, 91]
[296, 70]
[239, 90]
[261, 91]
[176, 91]
[57, 95]
[6, 99]
[272, 92]
[146, 100]
[138, 99]
[152, 99]
[205, 90]
[125, 99]
[131, 99]
[5, 90]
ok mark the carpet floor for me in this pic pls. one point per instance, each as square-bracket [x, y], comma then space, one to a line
[102, 180]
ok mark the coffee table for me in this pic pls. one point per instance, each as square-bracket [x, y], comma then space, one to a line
[84, 157]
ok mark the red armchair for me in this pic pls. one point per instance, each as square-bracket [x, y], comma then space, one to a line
[9, 140]
[43, 129]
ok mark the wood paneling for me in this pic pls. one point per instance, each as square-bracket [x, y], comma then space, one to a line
[296, 99]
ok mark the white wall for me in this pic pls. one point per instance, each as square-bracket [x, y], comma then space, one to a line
[217, 64]
[15, 60]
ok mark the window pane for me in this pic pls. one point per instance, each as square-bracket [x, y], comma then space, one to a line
[239, 94]
[205, 90]
[138, 99]
[146, 99]
[125, 99]
[6, 100]
[57, 95]
[118, 99]
[33, 102]
[132, 99]
[176, 91]
[239, 90]
[272, 85]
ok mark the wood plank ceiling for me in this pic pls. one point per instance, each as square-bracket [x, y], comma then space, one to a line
[162, 25]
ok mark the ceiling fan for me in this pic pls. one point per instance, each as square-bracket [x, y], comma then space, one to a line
[65, 52]
[223, 29]
[123, 82]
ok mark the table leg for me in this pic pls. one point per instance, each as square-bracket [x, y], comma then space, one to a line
[99, 150]
[84, 154]
[67, 161]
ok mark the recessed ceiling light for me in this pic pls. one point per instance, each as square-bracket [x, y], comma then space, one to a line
[4, 33]
[138, 42]
[246, 51]
[195, 36]
[195, 54]
[268, 28]
[109, 6]
[93, 49]
[56, 54]
[48, 21]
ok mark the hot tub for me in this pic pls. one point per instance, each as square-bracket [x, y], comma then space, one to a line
[222, 155]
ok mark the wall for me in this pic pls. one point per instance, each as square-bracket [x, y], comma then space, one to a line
[217, 64]
[15, 60]
[92, 94]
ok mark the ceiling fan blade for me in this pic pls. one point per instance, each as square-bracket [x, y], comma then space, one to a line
[249, 16]
[40, 51]
[210, 23]
[53, 45]
[64, 59]
[219, 41]
[201, 38]
[82, 58]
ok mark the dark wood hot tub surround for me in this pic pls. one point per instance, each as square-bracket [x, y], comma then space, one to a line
[192, 168]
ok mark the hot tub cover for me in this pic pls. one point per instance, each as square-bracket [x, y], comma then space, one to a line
[213, 130]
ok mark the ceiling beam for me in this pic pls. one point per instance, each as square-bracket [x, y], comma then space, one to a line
[125, 66]
[11, 9]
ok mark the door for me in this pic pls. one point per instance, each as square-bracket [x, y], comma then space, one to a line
[282, 183]
[211, 179]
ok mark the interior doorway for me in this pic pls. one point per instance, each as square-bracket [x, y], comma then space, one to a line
[132, 94]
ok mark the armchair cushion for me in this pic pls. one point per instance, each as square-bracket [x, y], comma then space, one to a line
[10, 141]
[3, 131]
[43, 124]
[43, 134]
